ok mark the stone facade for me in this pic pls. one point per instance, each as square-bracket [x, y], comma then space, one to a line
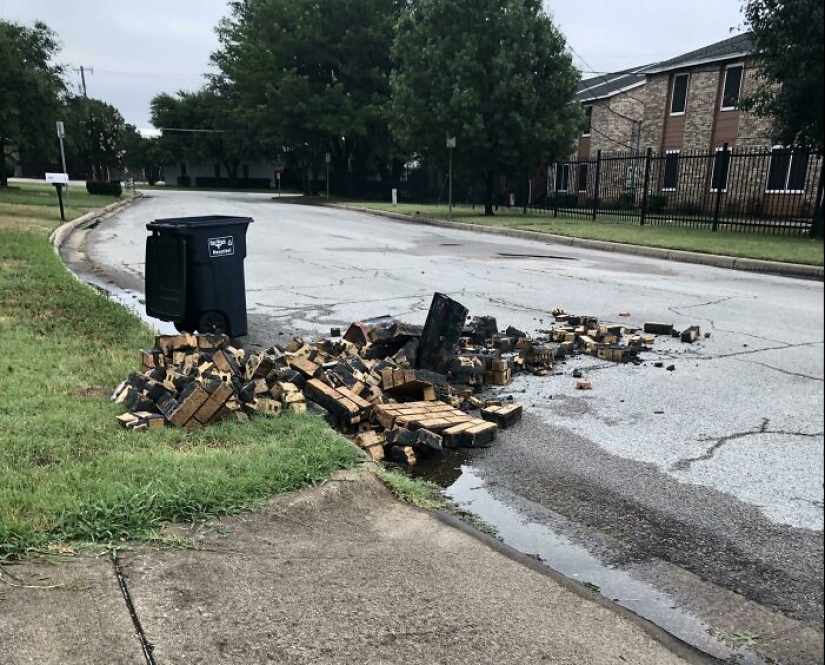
[702, 114]
[701, 109]
[612, 130]
[656, 101]
[754, 132]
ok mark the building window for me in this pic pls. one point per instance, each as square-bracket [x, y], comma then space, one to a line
[732, 89]
[217, 171]
[721, 170]
[183, 169]
[671, 179]
[562, 177]
[588, 123]
[678, 102]
[583, 177]
[787, 172]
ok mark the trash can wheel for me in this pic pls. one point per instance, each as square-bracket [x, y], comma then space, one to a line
[213, 323]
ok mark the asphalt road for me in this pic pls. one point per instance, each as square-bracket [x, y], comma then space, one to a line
[715, 469]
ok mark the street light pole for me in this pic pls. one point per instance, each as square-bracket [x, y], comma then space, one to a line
[61, 134]
[450, 147]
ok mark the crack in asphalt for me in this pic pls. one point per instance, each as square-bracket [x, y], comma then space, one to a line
[318, 305]
[783, 371]
[687, 463]
[702, 304]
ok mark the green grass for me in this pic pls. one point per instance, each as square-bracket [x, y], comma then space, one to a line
[427, 495]
[728, 243]
[417, 492]
[68, 473]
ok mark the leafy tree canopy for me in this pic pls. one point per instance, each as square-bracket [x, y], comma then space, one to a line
[95, 135]
[495, 74]
[790, 48]
[206, 125]
[30, 88]
[314, 73]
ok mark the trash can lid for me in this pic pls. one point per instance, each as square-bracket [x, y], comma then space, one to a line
[190, 223]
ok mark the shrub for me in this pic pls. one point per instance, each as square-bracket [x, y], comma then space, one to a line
[627, 201]
[112, 188]
[184, 181]
[689, 207]
[656, 203]
[754, 207]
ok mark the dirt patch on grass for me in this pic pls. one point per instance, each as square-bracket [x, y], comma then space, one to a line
[90, 393]
[10, 266]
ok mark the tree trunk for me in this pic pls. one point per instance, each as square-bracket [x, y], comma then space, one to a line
[232, 171]
[488, 201]
[4, 177]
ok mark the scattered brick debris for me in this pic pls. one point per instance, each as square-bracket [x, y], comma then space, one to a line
[400, 391]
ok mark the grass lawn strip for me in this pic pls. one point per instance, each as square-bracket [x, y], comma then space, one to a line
[68, 473]
[787, 249]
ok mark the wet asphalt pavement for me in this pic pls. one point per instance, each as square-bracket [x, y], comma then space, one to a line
[706, 481]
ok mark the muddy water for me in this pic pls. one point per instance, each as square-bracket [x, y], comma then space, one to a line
[466, 488]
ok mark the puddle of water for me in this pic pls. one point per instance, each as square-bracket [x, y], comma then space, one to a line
[468, 491]
[131, 301]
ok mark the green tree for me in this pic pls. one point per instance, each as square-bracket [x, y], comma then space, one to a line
[95, 133]
[143, 157]
[206, 125]
[30, 90]
[494, 74]
[314, 76]
[790, 49]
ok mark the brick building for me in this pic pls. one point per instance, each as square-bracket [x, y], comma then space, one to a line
[615, 107]
[692, 102]
[686, 110]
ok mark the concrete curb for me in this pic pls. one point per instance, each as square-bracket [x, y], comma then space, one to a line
[61, 234]
[795, 270]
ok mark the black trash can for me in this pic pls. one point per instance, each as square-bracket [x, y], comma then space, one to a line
[195, 273]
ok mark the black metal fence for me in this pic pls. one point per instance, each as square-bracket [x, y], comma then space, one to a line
[777, 191]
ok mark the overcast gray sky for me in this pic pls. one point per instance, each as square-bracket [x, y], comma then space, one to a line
[140, 49]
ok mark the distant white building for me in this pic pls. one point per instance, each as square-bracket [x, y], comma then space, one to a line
[258, 174]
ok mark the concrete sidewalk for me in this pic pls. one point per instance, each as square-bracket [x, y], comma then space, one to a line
[343, 573]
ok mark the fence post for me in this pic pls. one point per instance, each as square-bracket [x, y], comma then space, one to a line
[725, 167]
[648, 161]
[597, 184]
[818, 221]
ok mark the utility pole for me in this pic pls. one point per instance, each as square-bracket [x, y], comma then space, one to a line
[82, 71]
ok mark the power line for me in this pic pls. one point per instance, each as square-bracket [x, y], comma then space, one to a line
[611, 139]
[194, 131]
[601, 76]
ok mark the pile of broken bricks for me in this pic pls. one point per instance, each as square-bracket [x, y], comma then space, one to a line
[401, 391]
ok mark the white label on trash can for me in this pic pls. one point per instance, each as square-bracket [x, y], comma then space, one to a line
[224, 246]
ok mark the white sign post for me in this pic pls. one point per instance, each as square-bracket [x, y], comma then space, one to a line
[59, 180]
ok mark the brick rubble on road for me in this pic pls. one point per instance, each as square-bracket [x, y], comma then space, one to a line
[401, 391]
